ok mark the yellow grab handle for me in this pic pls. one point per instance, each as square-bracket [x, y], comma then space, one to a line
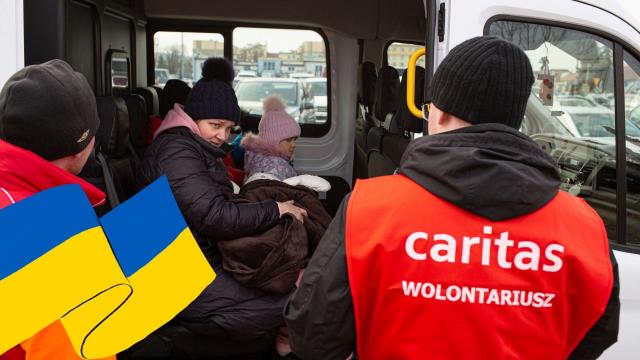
[411, 82]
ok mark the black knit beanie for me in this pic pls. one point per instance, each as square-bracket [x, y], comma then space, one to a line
[212, 99]
[484, 80]
[218, 68]
[48, 109]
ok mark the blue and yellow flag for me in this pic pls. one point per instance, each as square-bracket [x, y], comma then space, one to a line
[112, 282]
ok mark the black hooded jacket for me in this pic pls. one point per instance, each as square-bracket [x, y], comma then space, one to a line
[491, 170]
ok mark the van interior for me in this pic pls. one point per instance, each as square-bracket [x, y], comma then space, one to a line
[359, 128]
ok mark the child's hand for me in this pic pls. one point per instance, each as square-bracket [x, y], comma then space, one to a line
[287, 207]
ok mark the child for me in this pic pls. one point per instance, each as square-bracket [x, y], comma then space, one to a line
[268, 154]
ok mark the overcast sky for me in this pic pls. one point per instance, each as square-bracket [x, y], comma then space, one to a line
[277, 40]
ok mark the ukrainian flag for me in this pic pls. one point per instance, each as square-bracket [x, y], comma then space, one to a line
[56, 263]
[53, 256]
[163, 264]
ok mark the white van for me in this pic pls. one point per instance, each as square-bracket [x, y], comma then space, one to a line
[584, 48]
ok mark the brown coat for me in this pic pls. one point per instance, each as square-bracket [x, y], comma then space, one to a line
[272, 260]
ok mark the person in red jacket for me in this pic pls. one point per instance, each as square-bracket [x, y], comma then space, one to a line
[471, 251]
[48, 122]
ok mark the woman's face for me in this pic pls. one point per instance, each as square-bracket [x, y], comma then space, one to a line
[289, 145]
[215, 131]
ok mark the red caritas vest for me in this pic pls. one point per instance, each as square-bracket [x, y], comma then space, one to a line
[430, 280]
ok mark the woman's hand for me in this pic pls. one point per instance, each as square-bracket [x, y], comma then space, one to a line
[287, 207]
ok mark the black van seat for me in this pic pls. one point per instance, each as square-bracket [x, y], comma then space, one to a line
[114, 149]
[386, 104]
[364, 121]
[151, 99]
[403, 122]
[138, 118]
[93, 174]
[175, 91]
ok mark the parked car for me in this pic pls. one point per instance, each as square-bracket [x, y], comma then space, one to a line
[246, 74]
[162, 76]
[251, 92]
[574, 100]
[593, 122]
[316, 95]
[300, 76]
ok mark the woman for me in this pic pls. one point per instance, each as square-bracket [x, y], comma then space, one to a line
[227, 318]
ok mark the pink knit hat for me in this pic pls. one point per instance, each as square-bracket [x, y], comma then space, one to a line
[276, 125]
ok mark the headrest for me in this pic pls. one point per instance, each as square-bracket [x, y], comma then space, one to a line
[113, 133]
[404, 120]
[151, 98]
[138, 118]
[249, 122]
[367, 83]
[387, 87]
[175, 91]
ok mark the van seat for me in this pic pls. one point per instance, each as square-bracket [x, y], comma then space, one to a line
[385, 105]
[367, 77]
[114, 149]
[151, 99]
[394, 137]
[403, 122]
[138, 119]
[175, 91]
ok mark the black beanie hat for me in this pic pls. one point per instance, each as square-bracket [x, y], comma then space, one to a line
[218, 68]
[484, 80]
[212, 99]
[48, 109]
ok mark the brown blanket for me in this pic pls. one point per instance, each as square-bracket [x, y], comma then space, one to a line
[272, 260]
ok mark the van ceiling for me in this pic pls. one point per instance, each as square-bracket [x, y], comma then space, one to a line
[363, 19]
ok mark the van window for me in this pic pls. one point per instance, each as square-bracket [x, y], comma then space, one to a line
[180, 55]
[291, 63]
[398, 54]
[570, 112]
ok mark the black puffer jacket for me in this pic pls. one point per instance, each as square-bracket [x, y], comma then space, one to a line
[227, 318]
[199, 183]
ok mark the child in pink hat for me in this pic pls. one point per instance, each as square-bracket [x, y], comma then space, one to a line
[268, 155]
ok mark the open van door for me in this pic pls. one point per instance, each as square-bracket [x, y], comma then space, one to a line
[582, 55]
[11, 18]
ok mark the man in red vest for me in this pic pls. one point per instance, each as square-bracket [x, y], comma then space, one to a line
[471, 251]
[48, 122]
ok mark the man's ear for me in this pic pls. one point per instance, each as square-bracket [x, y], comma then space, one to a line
[438, 116]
